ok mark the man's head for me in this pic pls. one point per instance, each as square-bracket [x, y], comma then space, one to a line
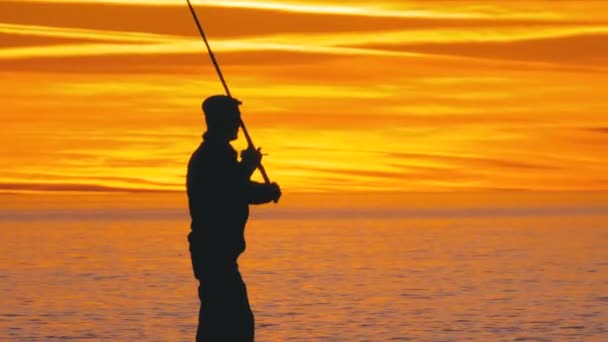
[222, 116]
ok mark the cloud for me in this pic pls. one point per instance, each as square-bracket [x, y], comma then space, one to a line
[479, 93]
[120, 33]
[601, 130]
[469, 161]
[399, 176]
[58, 179]
[382, 9]
[579, 49]
[225, 19]
[185, 47]
[69, 187]
[14, 40]
[83, 34]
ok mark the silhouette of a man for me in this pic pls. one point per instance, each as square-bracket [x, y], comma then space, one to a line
[219, 194]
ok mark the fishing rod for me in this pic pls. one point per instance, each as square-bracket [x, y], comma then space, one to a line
[221, 75]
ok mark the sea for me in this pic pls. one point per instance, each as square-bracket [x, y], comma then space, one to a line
[487, 266]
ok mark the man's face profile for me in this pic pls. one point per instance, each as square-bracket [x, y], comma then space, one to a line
[234, 123]
[222, 116]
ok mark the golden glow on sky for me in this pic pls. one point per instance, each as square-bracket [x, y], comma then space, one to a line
[350, 95]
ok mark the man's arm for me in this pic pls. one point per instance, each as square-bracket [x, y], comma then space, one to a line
[257, 193]
[260, 193]
[250, 160]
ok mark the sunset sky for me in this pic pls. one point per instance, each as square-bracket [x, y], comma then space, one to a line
[395, 95]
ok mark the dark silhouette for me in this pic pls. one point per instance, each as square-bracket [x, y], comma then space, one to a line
[219, 194]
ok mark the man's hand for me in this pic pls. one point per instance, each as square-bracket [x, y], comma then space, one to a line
[260, 193]
[251, 159]
[275, 192]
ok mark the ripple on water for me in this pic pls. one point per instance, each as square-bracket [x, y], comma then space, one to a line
[351, 293]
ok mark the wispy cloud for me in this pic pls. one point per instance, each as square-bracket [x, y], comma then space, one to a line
[89, 34]
[367, 10]
[601, 130]
[388, 95]
[70, 187]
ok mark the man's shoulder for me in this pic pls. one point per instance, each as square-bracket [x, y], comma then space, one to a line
[208, 155]
[197, 154]
[214, 150]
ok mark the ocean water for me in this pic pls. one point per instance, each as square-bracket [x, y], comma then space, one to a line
[120, 271]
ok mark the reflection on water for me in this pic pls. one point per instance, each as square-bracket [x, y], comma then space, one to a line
[396, 278]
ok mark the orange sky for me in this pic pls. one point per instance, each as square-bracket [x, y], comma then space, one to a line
[348, 95]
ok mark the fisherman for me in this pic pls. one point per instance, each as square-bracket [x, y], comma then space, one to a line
[219, 194]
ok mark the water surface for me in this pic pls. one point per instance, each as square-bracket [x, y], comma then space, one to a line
[118, 269]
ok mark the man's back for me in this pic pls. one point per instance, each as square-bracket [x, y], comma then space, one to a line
[218, 206]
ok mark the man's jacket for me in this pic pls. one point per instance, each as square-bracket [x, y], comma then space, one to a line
[219, 194]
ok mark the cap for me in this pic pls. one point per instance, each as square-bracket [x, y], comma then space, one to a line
[219, 103]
